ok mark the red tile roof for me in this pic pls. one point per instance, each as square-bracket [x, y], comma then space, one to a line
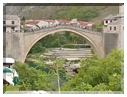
[75, 24]
[91, 22]
[63, 21]
[80, 21]
[89, 26]
[49, 20]
[32, 22]
[84, 24]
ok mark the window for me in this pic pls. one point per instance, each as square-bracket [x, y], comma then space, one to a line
[12, 28]
[111, 21]
[4, 22]
[12, 22]
[4, 29]
[110, 28]
[114, 28]
[106, 21]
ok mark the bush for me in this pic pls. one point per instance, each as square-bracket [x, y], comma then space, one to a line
[69, 46]
[33, 79]
[101, 74]
[92, 52]
[99, 28]
[10, 88]
[43, 49]
[94, 26]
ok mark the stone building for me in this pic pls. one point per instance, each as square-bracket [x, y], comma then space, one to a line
[114, 29]
[8, 62]
[108, 20]
[74, 21]
[63, 22]
[115, 23]
[35, 24]
[11, 23]
[50, 23]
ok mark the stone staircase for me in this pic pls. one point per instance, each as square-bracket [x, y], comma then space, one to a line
[69, 53]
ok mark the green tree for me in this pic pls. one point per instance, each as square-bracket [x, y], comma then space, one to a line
[23, 18]
[101, 74]
[37, 48]
[33, 79]
[99, 28]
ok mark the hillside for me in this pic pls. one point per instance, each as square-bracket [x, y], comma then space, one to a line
[82, 13]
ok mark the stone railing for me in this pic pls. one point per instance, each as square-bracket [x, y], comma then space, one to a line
[76, 28]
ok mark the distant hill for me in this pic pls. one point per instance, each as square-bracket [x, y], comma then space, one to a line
[82, 13]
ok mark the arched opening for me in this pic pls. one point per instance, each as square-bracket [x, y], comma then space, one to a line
[89, 40]
[67, 43]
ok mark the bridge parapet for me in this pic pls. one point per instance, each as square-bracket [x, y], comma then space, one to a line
[63, 27]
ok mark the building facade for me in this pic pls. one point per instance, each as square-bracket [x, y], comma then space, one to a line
[114, 29]
[11, 23]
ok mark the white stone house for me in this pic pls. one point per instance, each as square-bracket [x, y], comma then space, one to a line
[115, 23]
[29, 28]
[74, 21]
[109, 19]
[44, 24]
[83, 24]
[75, 24]
[35, 24]
[63, 22]
[117, 27]
[28, 20]
[51, 23]
[11, 23]
[89, 25]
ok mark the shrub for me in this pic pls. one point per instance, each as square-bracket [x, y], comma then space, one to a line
[69, 46]
[92, 52]
[101, 74]
[99, 28]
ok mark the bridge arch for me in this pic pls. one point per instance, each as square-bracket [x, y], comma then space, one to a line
[95, 40]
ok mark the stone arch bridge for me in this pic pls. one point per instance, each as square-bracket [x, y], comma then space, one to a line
[18, 44]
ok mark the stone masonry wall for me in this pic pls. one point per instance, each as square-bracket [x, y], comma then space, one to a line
[110, 42]
[14, 44]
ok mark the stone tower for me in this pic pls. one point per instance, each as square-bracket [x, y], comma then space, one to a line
[121, 8]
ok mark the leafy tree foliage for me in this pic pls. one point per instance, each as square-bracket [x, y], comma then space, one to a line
[95, 74]
[98, 27]
[98, 74]
[23, 19]
[78, 12]
[33, 79]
